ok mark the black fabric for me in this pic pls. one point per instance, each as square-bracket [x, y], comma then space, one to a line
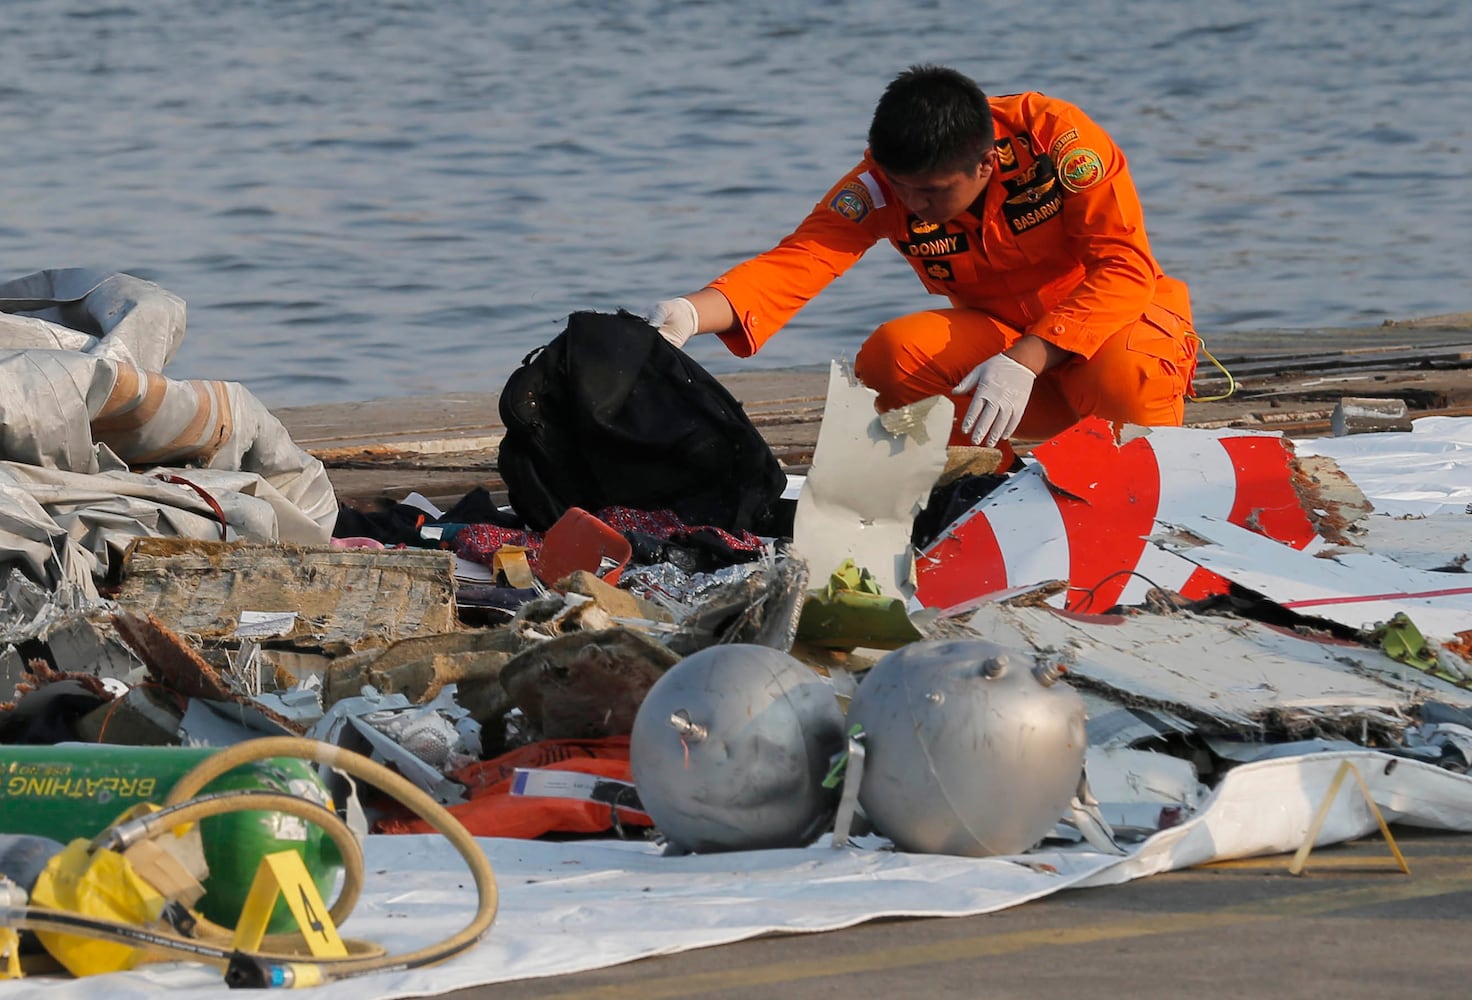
[401, 523]
[947, 503]
[610, 414]
[699, 551]
[390, 523]
[479, 507]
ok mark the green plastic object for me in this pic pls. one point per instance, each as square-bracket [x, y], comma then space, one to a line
[851, 612]
[74, 790]
[1402, 640]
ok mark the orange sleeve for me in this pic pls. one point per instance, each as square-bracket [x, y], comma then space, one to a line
[767, 290]
[1104, 229]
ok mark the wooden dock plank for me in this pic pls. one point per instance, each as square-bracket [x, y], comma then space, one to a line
[445, 446]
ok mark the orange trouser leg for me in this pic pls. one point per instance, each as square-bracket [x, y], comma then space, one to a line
[1140, 375]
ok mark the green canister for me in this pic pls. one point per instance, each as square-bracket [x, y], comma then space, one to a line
[74, 790]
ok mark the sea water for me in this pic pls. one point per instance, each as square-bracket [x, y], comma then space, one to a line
[373, 198]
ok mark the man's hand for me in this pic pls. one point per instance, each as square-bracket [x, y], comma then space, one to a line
[1002, 387]
[676, 320]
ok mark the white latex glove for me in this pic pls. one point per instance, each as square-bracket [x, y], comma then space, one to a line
[676, 320]
[1002, 387]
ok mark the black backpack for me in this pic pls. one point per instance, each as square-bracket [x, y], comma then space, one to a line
[610, 413]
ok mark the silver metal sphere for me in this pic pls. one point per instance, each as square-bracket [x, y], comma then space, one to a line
[730, 748]
[970, 748]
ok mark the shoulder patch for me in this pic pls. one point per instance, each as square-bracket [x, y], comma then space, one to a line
[1064, 140]
[858, 198]
[1080, 168]
[852, 202]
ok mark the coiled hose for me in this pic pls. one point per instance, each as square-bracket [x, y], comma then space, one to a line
[271, 968]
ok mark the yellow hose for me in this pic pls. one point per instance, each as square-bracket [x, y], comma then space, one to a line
[157, 824]
[266, 969]
[401, 789]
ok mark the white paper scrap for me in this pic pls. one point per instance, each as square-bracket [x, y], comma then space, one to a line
[264, 624]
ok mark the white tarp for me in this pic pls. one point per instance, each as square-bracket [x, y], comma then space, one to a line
[97, 449]
[1420, 485]
[102, 313]
[571, 907]
[1428, 471]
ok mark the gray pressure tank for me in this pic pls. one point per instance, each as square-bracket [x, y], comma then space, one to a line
[969, 748]
[730, 748]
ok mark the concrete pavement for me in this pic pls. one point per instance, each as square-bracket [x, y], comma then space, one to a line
[1241, 929]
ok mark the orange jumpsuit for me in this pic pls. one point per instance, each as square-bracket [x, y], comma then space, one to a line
[1058, 250]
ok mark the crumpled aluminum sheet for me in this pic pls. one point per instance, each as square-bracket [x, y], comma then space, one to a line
[757, 602]
[680, 592]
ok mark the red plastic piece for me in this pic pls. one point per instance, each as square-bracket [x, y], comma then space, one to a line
[580, 541]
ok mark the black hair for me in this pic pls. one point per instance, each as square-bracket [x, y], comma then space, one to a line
[931, 118]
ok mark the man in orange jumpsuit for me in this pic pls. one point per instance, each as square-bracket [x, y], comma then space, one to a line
[1019, 210]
